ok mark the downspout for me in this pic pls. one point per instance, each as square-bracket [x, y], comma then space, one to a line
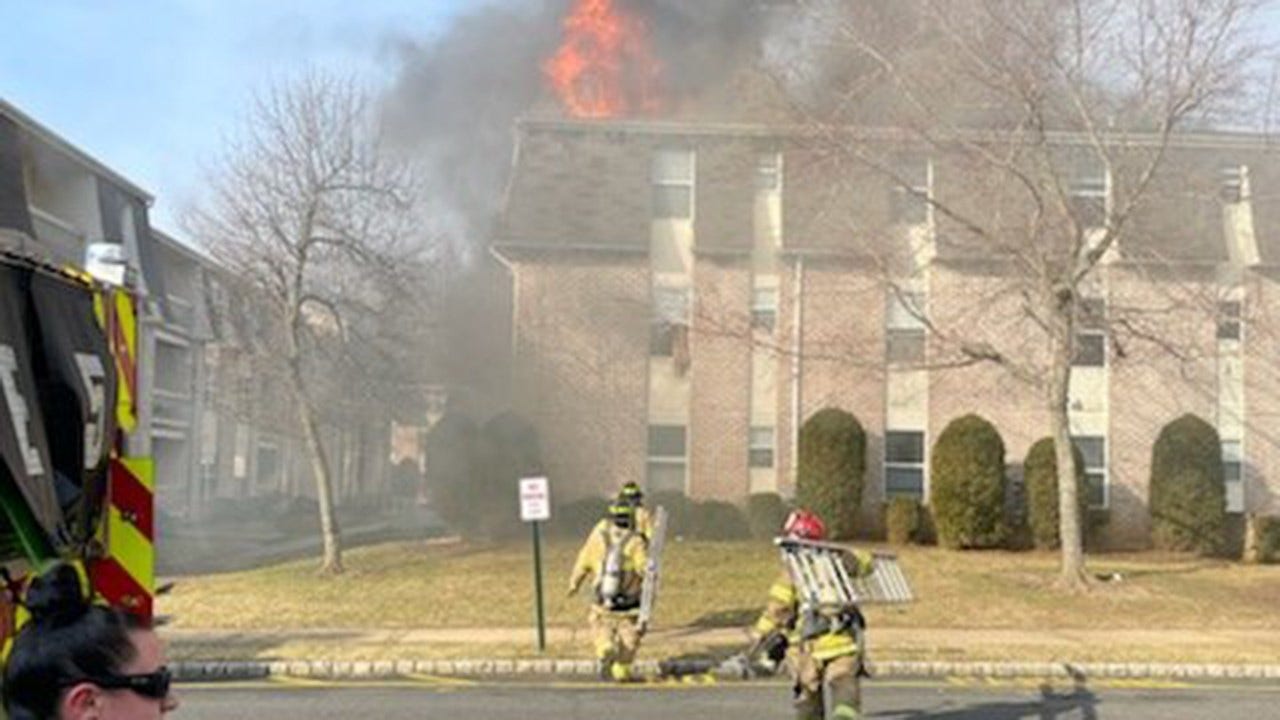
[797, 335]
[515, 305]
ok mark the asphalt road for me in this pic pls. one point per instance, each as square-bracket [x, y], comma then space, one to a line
[888, 700]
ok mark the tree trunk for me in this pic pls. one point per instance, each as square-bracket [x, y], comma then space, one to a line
[329, 532]
[1073, 572]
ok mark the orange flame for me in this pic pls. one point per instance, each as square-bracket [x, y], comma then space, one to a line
[604, 67]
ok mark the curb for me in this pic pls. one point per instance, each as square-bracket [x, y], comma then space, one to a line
[216, 671]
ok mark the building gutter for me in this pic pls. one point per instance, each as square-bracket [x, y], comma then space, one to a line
[510, 266]
[797, 336]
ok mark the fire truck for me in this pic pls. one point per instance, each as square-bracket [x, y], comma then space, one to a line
[69, 488]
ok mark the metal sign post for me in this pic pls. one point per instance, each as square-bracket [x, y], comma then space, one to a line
[535, 508]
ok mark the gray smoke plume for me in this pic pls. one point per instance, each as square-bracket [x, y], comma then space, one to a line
[456, 97]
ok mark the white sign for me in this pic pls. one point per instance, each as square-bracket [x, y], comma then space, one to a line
[535, 499]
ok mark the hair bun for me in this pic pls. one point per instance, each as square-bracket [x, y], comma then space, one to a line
[55, 597]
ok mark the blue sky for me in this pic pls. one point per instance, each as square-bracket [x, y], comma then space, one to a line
[150, 87]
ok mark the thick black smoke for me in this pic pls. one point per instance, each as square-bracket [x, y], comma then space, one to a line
[457, 96]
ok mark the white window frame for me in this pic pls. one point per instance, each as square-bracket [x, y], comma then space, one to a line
[1083, 330]
[1086, 184]
[922, 465]
[903, 321]
[764, 308]
[660, 179]
[663, 319]
[905, 196]
[768, 175]
[670, 461]
[1235, 458]
[1104, 469]
[761, 439]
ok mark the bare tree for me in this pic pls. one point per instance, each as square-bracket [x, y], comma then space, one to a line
[308, 211]
[1008, 100]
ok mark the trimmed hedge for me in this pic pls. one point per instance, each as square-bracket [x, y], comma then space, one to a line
[1264, 545]
[1040, 472]
[1188, 499]
[716, 520]
[765, 514]
[832, 468]
[903, 521]
[679, 512]
[968, 484]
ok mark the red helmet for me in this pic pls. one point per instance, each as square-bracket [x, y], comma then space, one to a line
[804, 525]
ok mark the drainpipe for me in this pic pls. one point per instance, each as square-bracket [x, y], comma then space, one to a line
[797, 335]
[515, 298]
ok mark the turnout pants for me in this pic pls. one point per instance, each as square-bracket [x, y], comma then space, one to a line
[616, 636]
[839, 674]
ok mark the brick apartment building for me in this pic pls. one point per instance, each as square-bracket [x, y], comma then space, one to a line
[686, 295]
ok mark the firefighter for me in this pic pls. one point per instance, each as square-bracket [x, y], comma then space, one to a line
[631, 494]
[614, 556]
[825, 649]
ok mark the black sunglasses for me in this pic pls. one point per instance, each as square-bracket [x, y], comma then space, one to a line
[153, 685]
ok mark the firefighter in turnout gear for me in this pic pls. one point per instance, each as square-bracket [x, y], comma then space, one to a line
[631, 494]
[614, 556]
[824, 647]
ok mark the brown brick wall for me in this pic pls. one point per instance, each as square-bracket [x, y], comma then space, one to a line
[720, 406]
[581, 369]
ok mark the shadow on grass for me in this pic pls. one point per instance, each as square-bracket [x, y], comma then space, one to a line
[1079, 702]
[739, 617]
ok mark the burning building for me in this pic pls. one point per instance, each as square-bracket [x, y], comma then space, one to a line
[687, 292]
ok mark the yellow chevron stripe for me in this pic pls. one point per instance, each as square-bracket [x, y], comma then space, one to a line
[143, 469]
[132, 550]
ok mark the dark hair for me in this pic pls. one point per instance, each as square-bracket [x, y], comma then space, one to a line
[67, 640]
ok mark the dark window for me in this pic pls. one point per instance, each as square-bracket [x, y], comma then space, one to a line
[909, 198]
[1090, 350]
[769, 172]
[905, 346]
[764, 308]
[904, 463]
[1093, 449]
[667, 441]
[1231, 190]
[1091, 336]
[761, 447]
[1229, 314]
[672, 202]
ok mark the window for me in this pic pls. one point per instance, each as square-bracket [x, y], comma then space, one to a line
[1233, 474]
[769, 172]
[904, 463]
[911, 191]
[670, 320]
[764, 308]
[1088, 190]
[667, 458]
[672, 178]
[1091, 334]
[761, 447]
[1232, 187]
[1094, 450]
[904, 331]
[1229, 320]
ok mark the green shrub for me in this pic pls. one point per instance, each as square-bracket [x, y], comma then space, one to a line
[1188, 499]
[1040, 473]
[765, 515]
[833, 450]
[968, 484]
[1262, 544]
[716, 520]
[508, 450]
[451, 450]
[679, 508]
[902, 520]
